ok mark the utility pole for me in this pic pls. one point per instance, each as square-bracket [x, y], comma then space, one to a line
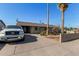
[47, 32]
[62, 22]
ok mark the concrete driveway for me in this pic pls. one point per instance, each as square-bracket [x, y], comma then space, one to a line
[2, 45]
[36, 45]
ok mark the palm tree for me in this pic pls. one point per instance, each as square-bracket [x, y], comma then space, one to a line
[63, 7]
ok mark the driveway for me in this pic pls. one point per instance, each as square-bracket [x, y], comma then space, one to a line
[2, 45]
[36, 45]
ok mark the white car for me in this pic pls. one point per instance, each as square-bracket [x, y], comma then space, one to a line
[11, 33]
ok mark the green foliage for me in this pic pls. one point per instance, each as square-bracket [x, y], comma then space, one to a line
[56, 30]
[63, 6]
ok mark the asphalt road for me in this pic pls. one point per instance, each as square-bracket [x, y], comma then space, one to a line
[36, 45]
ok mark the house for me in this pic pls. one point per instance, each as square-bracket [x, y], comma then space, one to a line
[30, 27]
[71, 31]
[2, 25]
[76, 30]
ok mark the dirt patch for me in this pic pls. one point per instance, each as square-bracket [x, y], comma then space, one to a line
[54, 37]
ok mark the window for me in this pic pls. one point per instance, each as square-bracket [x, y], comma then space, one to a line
[36, 28]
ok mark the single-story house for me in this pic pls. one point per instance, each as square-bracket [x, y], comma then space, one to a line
[30, 27]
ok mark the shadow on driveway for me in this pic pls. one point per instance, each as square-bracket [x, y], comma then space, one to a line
[27, 39]
[2, 44]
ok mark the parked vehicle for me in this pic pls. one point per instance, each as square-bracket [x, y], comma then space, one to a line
[11, 33]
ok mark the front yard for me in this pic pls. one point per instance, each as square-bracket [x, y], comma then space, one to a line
[36, 45]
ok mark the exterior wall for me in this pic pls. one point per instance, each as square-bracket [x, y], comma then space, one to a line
[38, 30]
[33, 30]
[68, 37]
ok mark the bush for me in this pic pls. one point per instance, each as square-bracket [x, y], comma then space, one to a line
[52, 31]
[56, 30]
[43, 33]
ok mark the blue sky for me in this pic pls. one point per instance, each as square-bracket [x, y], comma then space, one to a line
[30, 12]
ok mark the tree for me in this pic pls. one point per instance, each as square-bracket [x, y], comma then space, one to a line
[63, 7]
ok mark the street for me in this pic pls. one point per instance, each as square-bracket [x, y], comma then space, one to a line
[36, 45]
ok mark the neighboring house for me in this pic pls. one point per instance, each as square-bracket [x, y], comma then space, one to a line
[76, 30]
[29, 27]
[2, 25]
[71, 31]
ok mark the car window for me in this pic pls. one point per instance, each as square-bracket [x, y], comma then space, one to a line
[13, 27]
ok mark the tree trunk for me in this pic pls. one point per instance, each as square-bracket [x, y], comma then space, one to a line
[62, 28]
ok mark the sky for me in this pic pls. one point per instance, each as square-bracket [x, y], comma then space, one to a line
[36, 12]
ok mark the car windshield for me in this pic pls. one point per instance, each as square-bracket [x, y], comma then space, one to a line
[13, 27]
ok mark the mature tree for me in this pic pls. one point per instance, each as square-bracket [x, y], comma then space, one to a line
[63, 7]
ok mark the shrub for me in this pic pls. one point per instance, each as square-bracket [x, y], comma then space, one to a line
[56, 30]
[43, 33]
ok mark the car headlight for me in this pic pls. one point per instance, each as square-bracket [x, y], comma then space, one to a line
[2, 34]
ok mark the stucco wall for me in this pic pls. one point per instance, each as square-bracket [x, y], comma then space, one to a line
[35, 31]
[32, 30]
[68, 37]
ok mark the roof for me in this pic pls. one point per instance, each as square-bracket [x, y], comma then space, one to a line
[19, 23]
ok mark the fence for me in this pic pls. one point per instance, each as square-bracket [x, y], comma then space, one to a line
[68, 37]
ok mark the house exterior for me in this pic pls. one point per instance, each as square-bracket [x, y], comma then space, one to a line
[30, 27]
[76, 30]
[71, 31]
[2, 25]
